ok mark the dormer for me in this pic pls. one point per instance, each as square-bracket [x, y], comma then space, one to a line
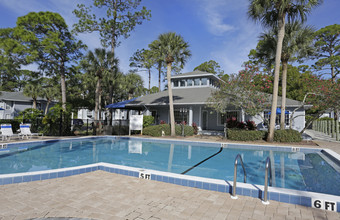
[194, 79]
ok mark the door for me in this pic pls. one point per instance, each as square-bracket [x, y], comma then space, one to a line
[205, 120]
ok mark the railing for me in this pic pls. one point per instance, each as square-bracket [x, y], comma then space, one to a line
[235, 175]
[268, 167]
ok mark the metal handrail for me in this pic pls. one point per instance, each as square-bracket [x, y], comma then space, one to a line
[268, 167]
[235, 174]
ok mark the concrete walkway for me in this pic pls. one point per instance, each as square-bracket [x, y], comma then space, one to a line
[102, 195]
[320, 136]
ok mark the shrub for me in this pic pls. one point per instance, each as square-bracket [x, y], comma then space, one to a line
[194, 126]
[233, 123]
[244, 135]
[325, 119]
[156, 130]
[250, 125]
[52, 120]
[148, 120]
[32, 116]
[288, 135]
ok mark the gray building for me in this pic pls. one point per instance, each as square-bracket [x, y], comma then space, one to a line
[15, 102]
[190, 94]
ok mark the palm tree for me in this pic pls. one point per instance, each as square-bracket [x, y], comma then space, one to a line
[273, 13]
[158, 60]
[133, 85]
[98, 64]
[50, 93]
[171, 48]
[297, 43]
[33, 90]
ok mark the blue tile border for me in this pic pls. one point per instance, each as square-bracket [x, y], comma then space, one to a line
[225, 188]
[178, 180]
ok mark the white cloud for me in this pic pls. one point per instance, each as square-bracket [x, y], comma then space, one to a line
[218, 14]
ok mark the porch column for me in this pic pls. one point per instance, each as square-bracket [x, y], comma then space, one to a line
[242, 115]
[200, 119]
[190, 116]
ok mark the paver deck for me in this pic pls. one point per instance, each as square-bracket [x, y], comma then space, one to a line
[102, 195]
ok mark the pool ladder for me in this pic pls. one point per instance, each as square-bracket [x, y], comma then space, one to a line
[267, 169]
[234, 196]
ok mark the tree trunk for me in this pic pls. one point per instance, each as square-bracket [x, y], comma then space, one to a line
[63, 86]
[284, 89]
[159, 76]
[47, 105]
[149, 79]
[113, 45]
[34, 104]
[171, 104]
[281, 25]
[96, 107]
[337, 135]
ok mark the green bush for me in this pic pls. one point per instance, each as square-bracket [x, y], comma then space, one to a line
[52, 120]
[325, 119]
[148, 120]
[15, 123]
[288, 135]
[244, 135]
[156, 130]
[32, 116]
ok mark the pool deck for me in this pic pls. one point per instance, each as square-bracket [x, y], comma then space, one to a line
[103, 195]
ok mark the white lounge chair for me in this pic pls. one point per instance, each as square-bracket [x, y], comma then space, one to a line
[7, 132]
[25, 130]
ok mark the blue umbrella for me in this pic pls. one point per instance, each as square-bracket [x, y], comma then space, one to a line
[120, 104]
[278, 111]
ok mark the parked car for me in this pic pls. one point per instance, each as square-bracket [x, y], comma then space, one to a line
[77, 122]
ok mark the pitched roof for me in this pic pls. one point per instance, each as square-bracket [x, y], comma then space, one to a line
[198, 95]
[17, 96]
[190, 96]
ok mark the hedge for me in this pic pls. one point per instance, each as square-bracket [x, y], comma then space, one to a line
[244, 135]
[15, 123]
[156, 130]
[288, 135]
[279, 135]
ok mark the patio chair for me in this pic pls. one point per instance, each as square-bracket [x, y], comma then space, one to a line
[7, 132]
[25, 130]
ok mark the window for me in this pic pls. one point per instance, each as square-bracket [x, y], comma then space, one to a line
[189, 82]
[204, 81]
[182, 83]
[278, 118]
[181, 116]
[175, 83]
[222, 118]
[197, 82]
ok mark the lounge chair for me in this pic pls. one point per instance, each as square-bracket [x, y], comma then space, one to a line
[7, 132]
[26, 131]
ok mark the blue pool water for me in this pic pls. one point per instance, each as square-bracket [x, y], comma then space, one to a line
[300, 170]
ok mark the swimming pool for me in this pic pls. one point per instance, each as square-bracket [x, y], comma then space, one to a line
[302, 169]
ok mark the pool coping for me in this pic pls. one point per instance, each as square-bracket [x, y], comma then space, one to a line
[304, 198]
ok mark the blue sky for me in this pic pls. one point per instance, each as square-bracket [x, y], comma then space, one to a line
[215, 29]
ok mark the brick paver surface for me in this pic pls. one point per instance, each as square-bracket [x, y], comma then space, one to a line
[102, 195]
